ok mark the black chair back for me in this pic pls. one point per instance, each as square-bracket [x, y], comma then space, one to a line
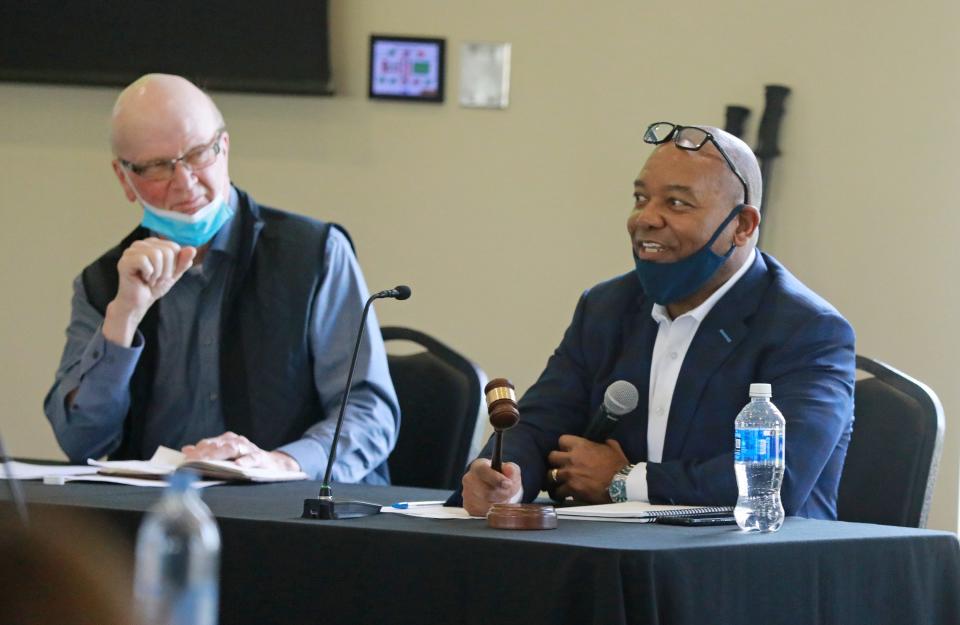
[891, 465]
[440, 394]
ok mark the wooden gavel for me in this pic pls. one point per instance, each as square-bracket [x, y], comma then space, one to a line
[504, 414]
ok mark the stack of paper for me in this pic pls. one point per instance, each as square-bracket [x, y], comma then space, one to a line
[25, 471]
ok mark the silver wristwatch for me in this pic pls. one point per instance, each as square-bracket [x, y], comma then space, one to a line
[618, 485]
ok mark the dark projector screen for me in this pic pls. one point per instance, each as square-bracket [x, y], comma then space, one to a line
[227, 45]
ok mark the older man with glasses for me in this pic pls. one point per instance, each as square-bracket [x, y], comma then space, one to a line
[217, 325]
[702, 316]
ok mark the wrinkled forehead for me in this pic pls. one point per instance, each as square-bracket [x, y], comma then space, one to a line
[162, 122]
[156, 138]
[677, 166]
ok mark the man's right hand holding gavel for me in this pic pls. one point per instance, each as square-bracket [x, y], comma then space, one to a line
[578, 468]
[483, 486]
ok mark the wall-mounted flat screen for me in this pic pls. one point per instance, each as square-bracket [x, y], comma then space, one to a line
[406, 68]
[228, 45]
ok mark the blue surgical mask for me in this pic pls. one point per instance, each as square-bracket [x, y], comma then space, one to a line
[667, 283]
[196, 229]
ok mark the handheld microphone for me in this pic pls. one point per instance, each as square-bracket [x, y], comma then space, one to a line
[620, 398]
[324, 507]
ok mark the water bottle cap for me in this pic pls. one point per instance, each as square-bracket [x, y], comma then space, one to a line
[758, 389]
[181, 480]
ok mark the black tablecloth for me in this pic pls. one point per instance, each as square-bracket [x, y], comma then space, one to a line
[277, 568]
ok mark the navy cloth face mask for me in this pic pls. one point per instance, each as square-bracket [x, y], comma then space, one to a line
[670, 282]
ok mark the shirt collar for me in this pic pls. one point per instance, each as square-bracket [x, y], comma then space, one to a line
[660, 314]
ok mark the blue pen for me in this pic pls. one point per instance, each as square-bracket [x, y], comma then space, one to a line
[403, 505]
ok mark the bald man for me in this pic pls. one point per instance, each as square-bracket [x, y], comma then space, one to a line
[218, 326]
[703, 315]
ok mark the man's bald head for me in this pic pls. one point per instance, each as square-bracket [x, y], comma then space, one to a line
[167, 121]
[160, 104]
[686, 203]
[744, 159]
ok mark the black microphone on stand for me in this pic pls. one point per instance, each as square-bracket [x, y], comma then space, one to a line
[325, 507]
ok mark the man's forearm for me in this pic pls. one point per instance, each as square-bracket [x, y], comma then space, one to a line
[89, 400]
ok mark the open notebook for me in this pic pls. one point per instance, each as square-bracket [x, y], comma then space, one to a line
[165, 461]
[637, 511]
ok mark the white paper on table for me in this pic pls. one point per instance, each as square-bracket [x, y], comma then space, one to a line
[164, 462]
[27, 471]
[607, 519]
[636, 510]
[438, 511]
[129, 481]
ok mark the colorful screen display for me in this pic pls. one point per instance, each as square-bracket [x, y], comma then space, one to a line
[406, 68]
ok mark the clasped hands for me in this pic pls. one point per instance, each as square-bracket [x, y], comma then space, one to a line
[579, 468]
[230, 446]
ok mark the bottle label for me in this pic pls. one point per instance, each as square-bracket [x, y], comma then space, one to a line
[195, 605]
[758, 445]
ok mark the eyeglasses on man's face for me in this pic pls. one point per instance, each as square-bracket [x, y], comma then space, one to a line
[194, 159]
[691, 138]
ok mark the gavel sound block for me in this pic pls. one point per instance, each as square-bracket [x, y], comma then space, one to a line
[504, 414]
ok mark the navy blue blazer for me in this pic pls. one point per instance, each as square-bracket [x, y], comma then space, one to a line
[768, 328]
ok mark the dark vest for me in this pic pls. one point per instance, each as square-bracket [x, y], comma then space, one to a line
[266, 366]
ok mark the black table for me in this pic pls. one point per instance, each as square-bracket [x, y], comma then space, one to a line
[277, 568]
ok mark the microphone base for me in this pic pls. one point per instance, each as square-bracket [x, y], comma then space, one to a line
[331, 510]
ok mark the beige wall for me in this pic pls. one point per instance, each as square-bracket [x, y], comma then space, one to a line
[499, 219]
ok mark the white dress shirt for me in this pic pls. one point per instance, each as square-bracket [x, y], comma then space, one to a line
[673, 340]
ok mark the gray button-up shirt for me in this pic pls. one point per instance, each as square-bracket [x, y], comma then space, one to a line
[185, 404]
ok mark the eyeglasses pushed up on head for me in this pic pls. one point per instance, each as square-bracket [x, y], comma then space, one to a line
[197, 158]
[691, 138]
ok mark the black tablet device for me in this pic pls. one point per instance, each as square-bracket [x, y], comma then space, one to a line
[406, 68]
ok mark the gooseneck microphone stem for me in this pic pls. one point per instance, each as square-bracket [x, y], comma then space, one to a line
[325, 490]
[324, 506]
[15, 493]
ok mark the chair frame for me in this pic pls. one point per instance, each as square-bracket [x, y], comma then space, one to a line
[473, 373]
[929, 401]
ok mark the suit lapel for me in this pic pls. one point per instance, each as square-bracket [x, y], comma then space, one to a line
[640, 332]
[717, 337]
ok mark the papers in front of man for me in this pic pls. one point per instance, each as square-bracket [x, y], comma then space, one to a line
[60, 480]
[635, 512]
[29, 471]
[427, 510]
[165, 461]
[60, 474]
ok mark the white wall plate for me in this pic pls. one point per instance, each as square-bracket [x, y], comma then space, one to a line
[485, 75]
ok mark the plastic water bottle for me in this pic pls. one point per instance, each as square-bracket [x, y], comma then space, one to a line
[178, 559]
[758, 462]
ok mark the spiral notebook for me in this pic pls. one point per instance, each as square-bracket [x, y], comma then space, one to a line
[637, 511]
